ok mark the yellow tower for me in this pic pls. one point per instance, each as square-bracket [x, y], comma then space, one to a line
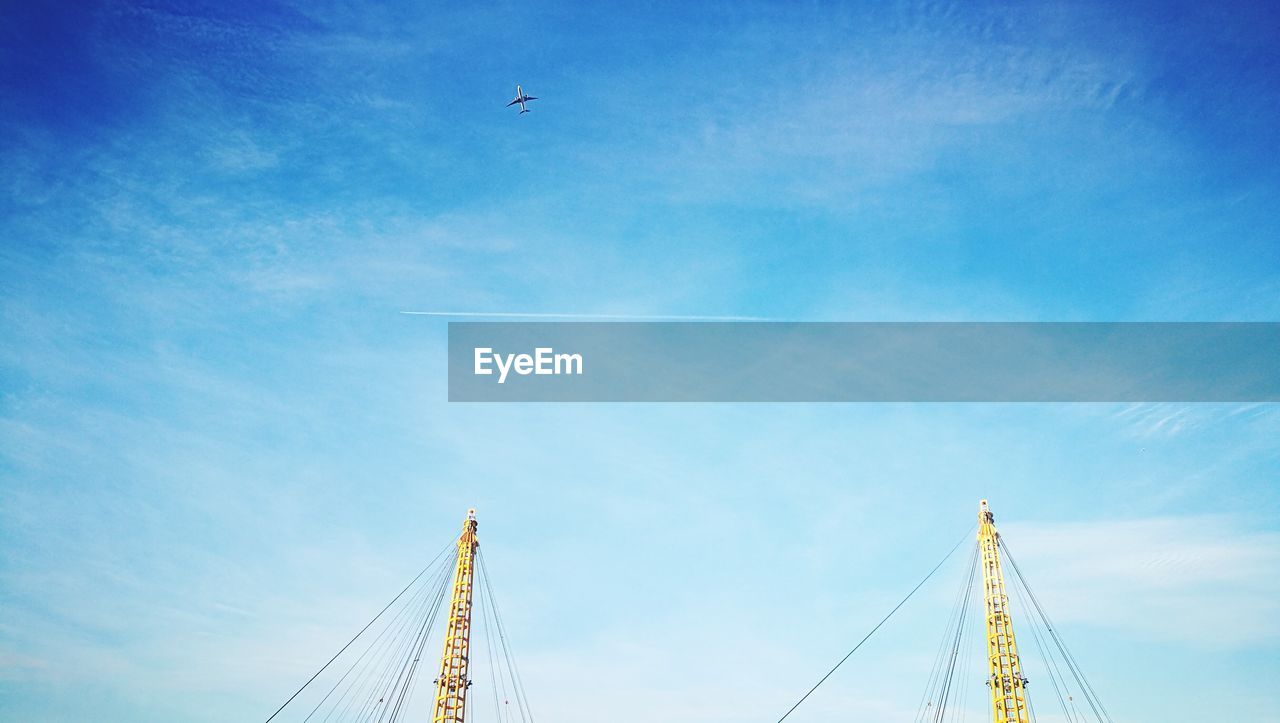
[451, 686]
[1008, 686]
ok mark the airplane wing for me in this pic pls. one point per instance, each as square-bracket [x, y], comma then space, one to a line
[517, 100]
[530, 97]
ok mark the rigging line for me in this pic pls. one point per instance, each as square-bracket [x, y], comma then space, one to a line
[1073, 713]
[445, 589]
[513, 672]
[488, 645]
[379, 700]
[370, 690]
[947, 711]
[413, 688]
[977, 642]
[1076, 708]
[967, 660]
[949, 680]
[1085, 688]
[396, 623]
[926, 699]
[487, 589]
[966, 635]
[957, 677]
[376, 699]
[409, 665]
[496, 678]
[931, 687]
[877, 627]
[368, 694]
[507, 713]
[387, 662]
[444, 593]
[1091, 697]
[1051, 664]
[375, 674]
[361, 693]
[522, 699]
[357, 635]
[408, 687]
[361, 696]
[955, 688]
[375, 649]
[390, 698]
[379, 672]
[410, 604]
[508, 649]
[946, 655]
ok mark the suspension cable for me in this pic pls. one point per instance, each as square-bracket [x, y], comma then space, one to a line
[919, 585]
[1051, 663]
[357, 635]
[409, 667]
[517, 683]
[397, 623]
[1091, 697]
[926, 703]
[957, 645]
[376, 677]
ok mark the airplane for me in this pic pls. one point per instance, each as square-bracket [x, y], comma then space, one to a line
[521, 98]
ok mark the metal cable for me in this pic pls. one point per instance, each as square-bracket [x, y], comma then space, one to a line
[919, 585]
[352, 640]
[1091, 697]
[517, 683]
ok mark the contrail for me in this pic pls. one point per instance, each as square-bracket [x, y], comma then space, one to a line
[611, 317]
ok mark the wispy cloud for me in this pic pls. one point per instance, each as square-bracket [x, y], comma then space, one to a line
[1172, 579]
[1167, 420]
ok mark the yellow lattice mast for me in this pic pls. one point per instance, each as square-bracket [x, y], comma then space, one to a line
[451, 686]
[1008, 686]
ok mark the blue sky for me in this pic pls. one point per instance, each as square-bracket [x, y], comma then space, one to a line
[222, 446]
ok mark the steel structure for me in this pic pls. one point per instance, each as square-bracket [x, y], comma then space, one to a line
[452, 685]
[1007, 683]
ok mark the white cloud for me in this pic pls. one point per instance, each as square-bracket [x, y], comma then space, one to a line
[1175, 578]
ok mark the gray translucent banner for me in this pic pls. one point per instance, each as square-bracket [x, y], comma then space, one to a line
[863, 362]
